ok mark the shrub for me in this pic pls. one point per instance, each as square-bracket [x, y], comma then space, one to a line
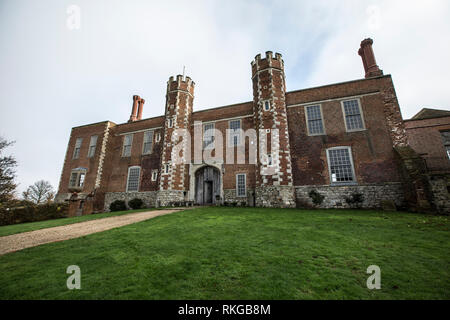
[118, 205]
[355, 200]
[316, 197]
[136, 203]
[31, 213]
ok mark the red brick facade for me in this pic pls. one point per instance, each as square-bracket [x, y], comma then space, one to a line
[303, 158]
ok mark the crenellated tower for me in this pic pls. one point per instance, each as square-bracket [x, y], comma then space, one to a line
[178, 113]
[274, 183]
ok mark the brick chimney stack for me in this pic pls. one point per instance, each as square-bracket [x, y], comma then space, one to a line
[368, 57]
[133, 116]
[140, 108]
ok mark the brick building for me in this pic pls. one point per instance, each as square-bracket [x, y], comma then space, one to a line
[338, 140]
[429, 135]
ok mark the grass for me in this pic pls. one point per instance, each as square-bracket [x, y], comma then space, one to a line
[31, 226]
[240, 253]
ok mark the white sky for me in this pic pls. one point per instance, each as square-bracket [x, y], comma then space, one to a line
[53, 78]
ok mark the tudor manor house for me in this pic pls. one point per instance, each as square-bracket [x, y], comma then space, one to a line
[336, 140]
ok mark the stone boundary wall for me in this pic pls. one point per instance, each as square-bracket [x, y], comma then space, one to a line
[149, 198]
[275, 197]
[230, 197]
[165, 197]
[440, 184]
[375, 196]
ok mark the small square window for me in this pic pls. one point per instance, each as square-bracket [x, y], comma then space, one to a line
[166, 168]
[154, 175]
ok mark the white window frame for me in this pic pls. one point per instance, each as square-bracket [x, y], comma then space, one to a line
[245, 185]
[151, 141]
[321, 117]
[232, 135]
[131, 145]
[358, 100]
[354, 182]
[77, 149]
[170, 123]
[128, 178]
[447, 148]
[92, 145]
[79, 172]
[212, 144]
[269, 160]
[158, 137]
[267, 102]
[166, 168]
[154, 175]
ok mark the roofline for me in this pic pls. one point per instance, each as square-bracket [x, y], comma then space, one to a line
[243, 103]
[339, 83]
[227, 106]
[124, 123]
[437, 117]
[93, 124]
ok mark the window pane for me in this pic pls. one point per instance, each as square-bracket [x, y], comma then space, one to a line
[235, 134]
[76, 151]
[133, 179]
[73, 179]
[208, 136]
[81, 181]
[148, 142]
[353, 115]
[127, 141]
[315, 123]
[241, 185]
[340, 166]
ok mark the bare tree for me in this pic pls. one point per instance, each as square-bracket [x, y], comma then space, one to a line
[41, 191]
[7, 173]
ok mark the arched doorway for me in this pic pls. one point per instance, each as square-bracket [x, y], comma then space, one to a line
[207, 186]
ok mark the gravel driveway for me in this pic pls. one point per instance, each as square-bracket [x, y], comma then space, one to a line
[24, 240]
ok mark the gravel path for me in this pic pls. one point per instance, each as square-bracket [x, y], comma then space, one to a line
[24, 240]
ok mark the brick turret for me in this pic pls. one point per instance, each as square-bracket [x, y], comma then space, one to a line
[274, 185]
[178, 114]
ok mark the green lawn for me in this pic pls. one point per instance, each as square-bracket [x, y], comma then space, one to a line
[31, 226]
[239, 253]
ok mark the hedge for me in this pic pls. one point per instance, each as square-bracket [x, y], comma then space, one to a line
[32, 213]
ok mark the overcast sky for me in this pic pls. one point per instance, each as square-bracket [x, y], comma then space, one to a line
[53, 77]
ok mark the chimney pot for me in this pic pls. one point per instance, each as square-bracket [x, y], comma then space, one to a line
[134, 108]
[140, 109]
[368, 57]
